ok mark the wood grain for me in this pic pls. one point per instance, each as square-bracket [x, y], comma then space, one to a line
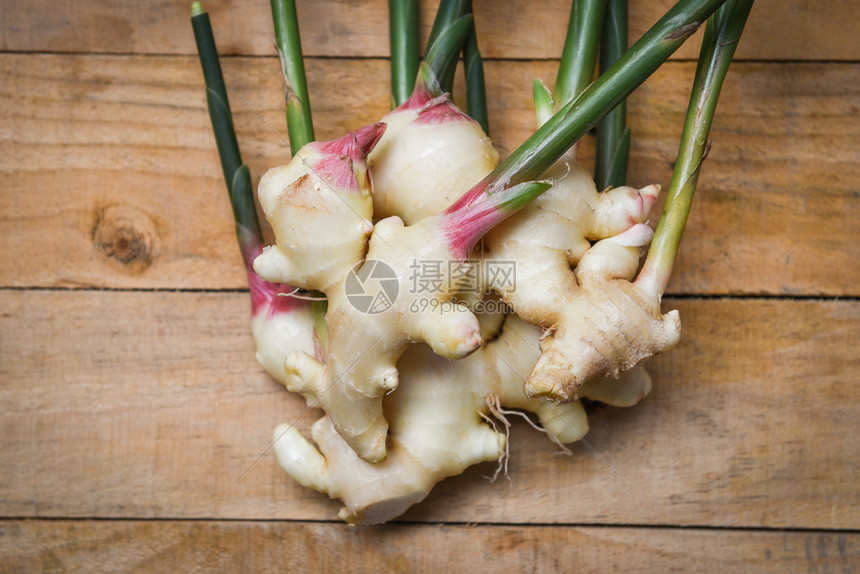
[127, 402]
[149, 405]
[180, 546]
[777, 30]
[111, 177]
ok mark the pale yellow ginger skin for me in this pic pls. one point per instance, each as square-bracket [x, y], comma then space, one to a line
[296, 187]
[436, 428]
[487, 306]
[598, 324]
[321, 236]
[571, 214]
[360, 367]
[278, 335]
[607, 326]
[419, 170]
[298, 203]
[631, 387]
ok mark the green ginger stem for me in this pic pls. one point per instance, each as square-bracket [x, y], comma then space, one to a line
[448, 12]
[450, 28]
[613, 135]
[718, 46]
[236, 174]
[403, 38]
[579, 56]
[534, 157]
[298, 107]
[476, 91]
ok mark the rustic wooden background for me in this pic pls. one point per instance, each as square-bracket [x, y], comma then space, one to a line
[130, 401]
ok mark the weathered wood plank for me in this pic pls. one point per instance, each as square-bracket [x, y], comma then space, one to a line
[149, 404]
[777, 30]
[114, 155]
[154, 546]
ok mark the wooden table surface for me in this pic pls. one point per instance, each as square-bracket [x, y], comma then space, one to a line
[136, 422]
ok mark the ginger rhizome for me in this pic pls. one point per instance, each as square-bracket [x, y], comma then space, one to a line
[437, 428]
[445, 397]
[320, 189]
[357, 384]
[430, 155]
[597, 323]
[280, 323]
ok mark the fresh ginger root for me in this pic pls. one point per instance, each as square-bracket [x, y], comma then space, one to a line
[608, 326]
[280, 324]
[326, 186]
[598, 323]
[430, 155]
[436, 428]
[360, 367]
[379, 471]
[436, 415]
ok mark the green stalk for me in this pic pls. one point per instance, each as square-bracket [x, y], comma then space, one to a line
[236, 174]
[579, 56]
[299, 123]
[450, 28]
[534, 157]
[446, 14]
[403, 37]
[543, 102]
[718, 46]
[613, 135]
[476, 91]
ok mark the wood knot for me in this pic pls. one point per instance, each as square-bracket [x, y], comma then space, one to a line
[126, 235]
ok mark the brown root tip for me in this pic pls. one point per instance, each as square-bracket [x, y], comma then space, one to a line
[557, 384]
